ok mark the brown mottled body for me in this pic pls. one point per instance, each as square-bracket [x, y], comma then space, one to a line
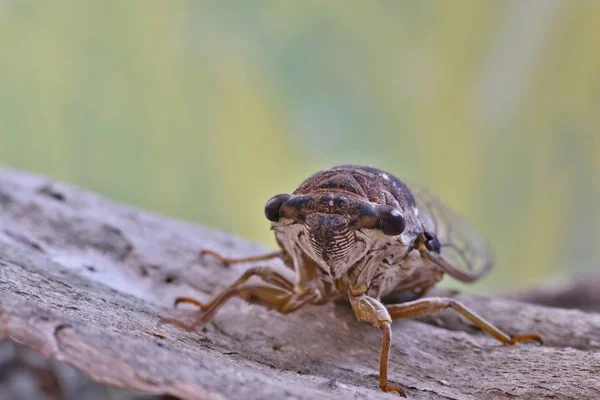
[359, 234]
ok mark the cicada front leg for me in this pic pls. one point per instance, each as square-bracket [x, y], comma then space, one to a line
[368, 309]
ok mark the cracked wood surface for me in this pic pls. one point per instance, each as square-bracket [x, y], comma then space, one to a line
[85, 280]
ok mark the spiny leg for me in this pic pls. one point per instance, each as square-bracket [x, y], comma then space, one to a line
[433, 305]
[229, 261]
[267, 274]
[271, 297]
[386, 343]
[276, 292]
[367, 309]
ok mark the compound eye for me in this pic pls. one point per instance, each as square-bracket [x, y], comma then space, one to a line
[273, 205]
[392, 220]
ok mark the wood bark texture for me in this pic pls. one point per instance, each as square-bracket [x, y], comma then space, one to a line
[85, 281]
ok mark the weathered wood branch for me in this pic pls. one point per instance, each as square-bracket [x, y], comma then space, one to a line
[581, 294]
[85, 281]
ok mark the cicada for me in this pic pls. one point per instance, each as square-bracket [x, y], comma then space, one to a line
[359, 234]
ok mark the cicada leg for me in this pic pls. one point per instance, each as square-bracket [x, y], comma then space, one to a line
[269, 297]
[276, 292]
[433, 305]
[229, 261]
[368, 309]
[265, 273]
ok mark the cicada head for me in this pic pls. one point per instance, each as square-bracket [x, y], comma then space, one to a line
[335, 223]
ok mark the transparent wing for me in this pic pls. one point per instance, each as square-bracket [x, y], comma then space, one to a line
[463, 252]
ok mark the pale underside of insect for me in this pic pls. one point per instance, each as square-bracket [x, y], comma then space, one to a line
[359, 234]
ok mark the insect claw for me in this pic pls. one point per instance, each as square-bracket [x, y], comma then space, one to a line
[224, 262]
[529, 337]
[394, 389]
[189, 300]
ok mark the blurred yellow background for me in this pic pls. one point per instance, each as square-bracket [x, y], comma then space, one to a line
[204, 110]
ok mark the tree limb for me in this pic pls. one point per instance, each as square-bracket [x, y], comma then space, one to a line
[581, 294]
[85, 281]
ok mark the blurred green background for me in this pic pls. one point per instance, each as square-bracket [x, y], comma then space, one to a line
[203, 110]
